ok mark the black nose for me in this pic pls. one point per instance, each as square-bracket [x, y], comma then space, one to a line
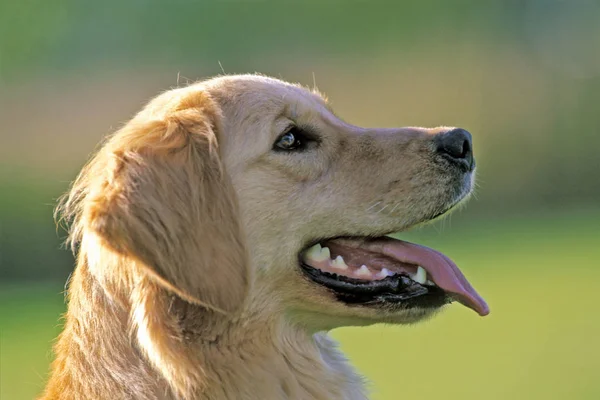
[457, 147]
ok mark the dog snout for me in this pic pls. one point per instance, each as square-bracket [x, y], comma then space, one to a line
[456, 146]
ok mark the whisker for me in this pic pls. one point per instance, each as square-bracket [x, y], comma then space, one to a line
[383, 209]
[373, 206]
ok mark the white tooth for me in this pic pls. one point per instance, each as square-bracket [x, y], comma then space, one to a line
[339, 263]
[326, 253]
[315, 253]
[363, 271]
[430, 283]
[384, 273]
[420, 276]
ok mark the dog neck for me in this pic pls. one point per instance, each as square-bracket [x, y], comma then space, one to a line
[101, 353]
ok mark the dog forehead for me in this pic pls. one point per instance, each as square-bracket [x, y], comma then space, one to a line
[264, 94]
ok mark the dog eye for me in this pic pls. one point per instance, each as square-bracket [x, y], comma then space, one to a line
[293, 139]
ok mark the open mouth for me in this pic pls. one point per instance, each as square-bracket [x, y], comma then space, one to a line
[385, 271]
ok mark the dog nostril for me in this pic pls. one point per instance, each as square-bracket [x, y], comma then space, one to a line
[456, 145]
[465, 148]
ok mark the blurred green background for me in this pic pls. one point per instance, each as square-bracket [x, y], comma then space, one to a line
[522, 76]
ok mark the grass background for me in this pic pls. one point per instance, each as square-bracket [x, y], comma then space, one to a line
[539, 274]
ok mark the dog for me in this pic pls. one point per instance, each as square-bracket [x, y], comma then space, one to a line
[229, 225]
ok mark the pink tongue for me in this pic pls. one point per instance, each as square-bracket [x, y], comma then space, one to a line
[442, 270]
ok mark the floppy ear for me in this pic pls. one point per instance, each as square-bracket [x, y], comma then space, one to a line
[165, 200]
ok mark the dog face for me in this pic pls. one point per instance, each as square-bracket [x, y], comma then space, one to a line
[317, 196]
[245, 192]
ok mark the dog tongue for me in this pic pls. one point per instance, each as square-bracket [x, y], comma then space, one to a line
[442, 270]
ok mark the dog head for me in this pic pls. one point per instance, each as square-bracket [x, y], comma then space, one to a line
[245, 184]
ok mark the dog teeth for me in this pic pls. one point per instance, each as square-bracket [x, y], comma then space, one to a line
[420, 276]
[318, 253]
[363, 272]
[339, 263]
[430, 283]
[384, 273]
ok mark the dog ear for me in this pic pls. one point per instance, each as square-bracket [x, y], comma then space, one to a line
[160, 196]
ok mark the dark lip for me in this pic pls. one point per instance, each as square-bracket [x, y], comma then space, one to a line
[391, 291]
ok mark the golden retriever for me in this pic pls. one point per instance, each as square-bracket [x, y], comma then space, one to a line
[229, 225]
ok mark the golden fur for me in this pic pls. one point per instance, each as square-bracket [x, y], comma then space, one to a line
[187, 229]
